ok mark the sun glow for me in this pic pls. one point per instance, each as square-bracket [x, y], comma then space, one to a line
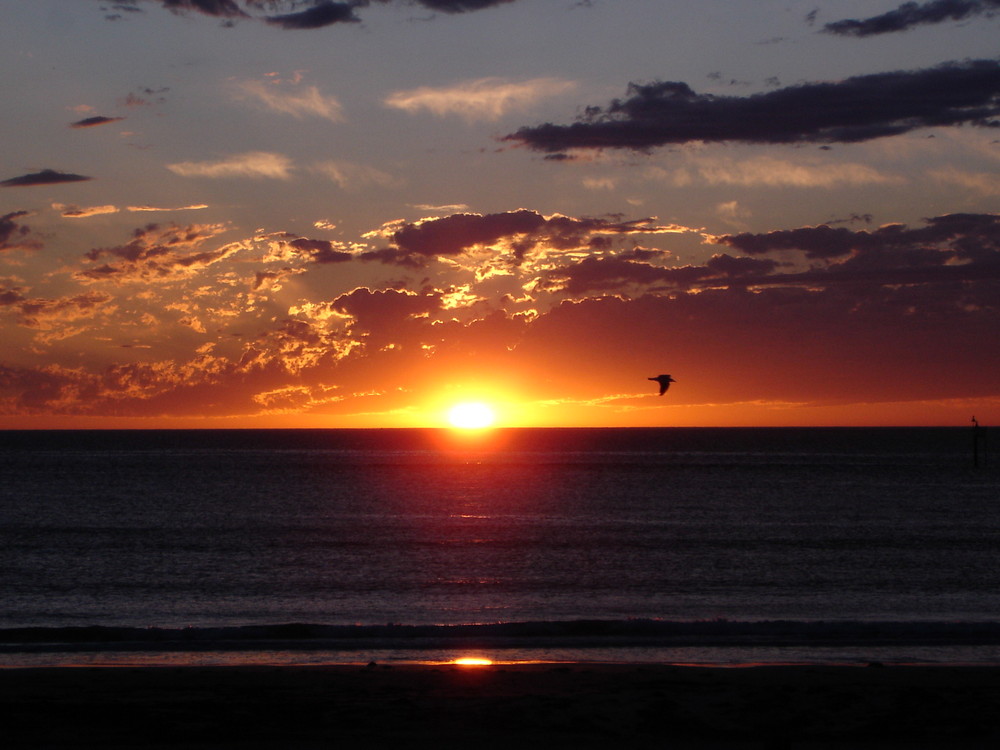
[472, 661]
[471, 415]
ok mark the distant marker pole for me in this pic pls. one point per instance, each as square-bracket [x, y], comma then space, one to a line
[975, 443]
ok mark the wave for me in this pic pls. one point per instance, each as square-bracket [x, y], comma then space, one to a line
[637, 633]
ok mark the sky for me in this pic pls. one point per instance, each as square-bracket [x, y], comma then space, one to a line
[319, 213]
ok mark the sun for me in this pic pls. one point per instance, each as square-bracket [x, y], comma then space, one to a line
[471, 415]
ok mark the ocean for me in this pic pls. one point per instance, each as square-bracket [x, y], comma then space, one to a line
[723, 546]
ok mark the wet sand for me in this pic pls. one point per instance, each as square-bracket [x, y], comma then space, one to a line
[501, 706]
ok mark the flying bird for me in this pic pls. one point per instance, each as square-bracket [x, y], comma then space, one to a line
[664, 381]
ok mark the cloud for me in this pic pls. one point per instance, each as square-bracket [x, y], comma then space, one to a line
[90, 122]
[771, 172]
[272, 280]
[447, 208]
[948, 249]
[384, 311]
[59, 314]
[324, 13]
[14, 235]
[140, 98]
[255, 164]
[458, 6]
[222, 8]
[985, 183]
[76, 212]
[10, 295]
[848, 111]
[911, 14]
[514, 232]
[157, 254]
[903, 311]
[351, 176]
[303, 101]
[45, 177]
[964, 230]
[321, 251]
[192, 207]
[317, 13]
[480, 99]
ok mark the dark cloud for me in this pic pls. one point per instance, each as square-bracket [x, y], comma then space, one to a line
[908, 15]
[11, 295]
[13, 234]
[966, 237]
[949, 249]
[89, 122]
[156, 253]
[303, 14]
[221, 8]
[595, 274]
[272, 279]
[521, 231]
[619, 274]
[384, 309]
[45, 177]
[954, 248]
[855, 109]
[320, 15]
[321, 251]
[459, 6]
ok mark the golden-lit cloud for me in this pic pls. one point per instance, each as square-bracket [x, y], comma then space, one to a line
[192, 207]
[59, 315]
[984, 183]
[479, 99]
[157, 254]
[298, 101]
[351, 176]
[76, 212]
[254, 164]
[451, 208]
[769, 171]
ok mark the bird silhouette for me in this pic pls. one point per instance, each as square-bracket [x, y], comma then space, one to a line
[664, 381]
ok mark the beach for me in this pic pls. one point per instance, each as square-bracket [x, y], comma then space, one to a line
[576, 705]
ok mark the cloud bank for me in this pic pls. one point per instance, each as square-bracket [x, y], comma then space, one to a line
[514, 232]
[581, 291]
[298, 15]
[856, 109]
[910, 15]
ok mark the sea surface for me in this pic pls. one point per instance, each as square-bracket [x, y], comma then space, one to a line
[726, 546]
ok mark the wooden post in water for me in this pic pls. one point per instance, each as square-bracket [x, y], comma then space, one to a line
[975, 443]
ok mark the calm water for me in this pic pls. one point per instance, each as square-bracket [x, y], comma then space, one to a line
[208, 530]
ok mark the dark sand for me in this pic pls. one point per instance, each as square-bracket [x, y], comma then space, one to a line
[519, 706]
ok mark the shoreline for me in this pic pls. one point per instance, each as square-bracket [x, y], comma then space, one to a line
[579, 705]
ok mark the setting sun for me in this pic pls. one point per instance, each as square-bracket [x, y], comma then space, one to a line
[473, 661]
[471, 415]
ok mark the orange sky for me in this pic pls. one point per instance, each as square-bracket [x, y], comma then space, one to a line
[220, 218]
